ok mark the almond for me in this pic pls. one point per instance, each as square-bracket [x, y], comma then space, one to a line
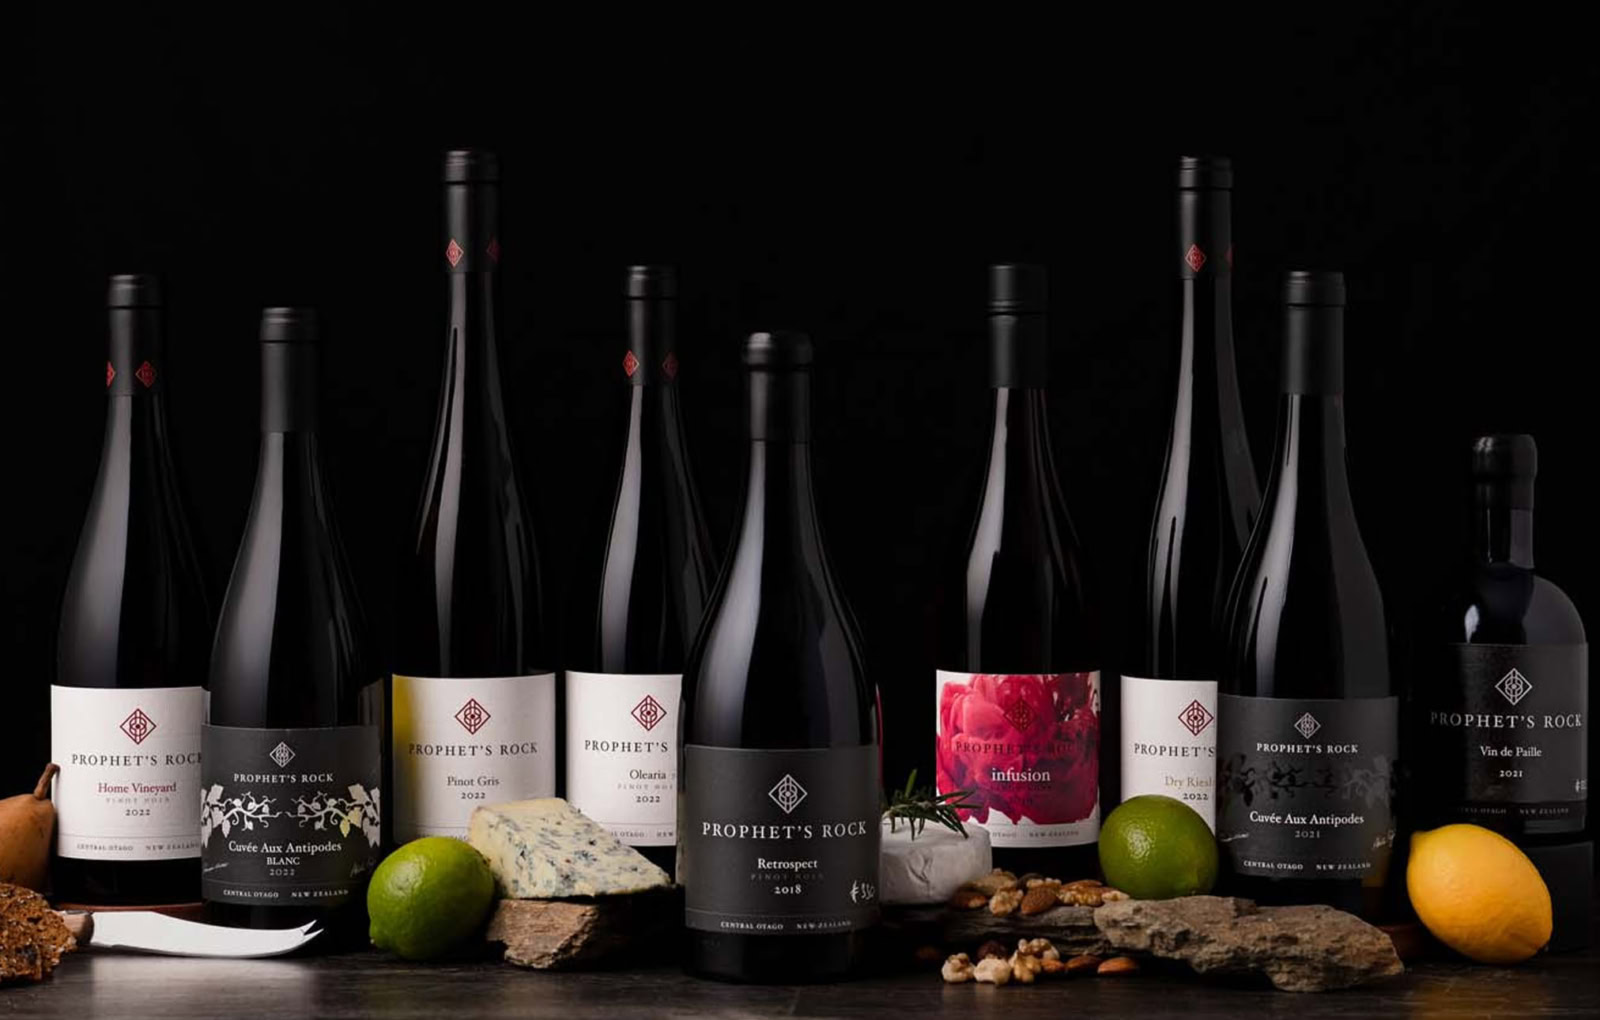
[1038, 899]
[1118, 965]
[1085, 964]
[969, 898]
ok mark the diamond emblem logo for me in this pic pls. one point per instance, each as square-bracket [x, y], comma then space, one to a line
[281, 755]
[453, 253]
[1195, 717]
[1514, 686]
[1195, 258]
[111, 373]
[1019, 714]
[138, 726]
[649, 712]
[1307, 725]
[787, 794]
[472, 716]
[146, 374]
[630, 364]
[669, 366]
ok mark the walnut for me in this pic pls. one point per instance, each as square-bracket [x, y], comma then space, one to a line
[992, 948]
[1113, 895]
[1085, 892]
[998, 880]
[1005, 902]
[1034, 881]
[1042, 948]
[1039, 899]
[992, 971]
[1025, 968]
[969, 898]
[957, 969]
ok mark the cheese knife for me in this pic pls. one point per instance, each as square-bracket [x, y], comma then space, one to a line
[144, 931]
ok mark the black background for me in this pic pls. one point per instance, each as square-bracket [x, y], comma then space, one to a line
[848, 179]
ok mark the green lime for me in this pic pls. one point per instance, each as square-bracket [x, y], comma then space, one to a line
[1155, 848]
[427, 896]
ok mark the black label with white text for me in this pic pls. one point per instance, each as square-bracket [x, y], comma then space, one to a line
[1305, 786]
[779, 842]
[288, 816]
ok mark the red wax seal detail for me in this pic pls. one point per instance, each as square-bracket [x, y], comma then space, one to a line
[138, 726]
[111, 373]
[453, 253]
[630, 364]
[146, 374]
[494, 250]
[1195, 257]
[669, 365]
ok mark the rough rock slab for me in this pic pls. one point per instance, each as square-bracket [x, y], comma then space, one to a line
[561, 934]
[1299, 949]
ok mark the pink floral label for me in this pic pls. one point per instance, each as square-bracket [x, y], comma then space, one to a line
[1028, 747]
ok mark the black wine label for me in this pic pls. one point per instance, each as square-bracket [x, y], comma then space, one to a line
[779, 842]
[1306, 785]
[1506, 734]
[288, 816]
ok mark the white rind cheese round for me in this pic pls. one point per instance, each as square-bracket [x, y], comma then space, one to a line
[930, 868]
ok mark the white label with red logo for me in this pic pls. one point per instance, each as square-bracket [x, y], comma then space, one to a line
[129, 787]
[463, 742]
[1026, 748]
[1169, 741]
[622, 757]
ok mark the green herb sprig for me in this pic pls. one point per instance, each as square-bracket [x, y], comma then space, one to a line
[919, 805]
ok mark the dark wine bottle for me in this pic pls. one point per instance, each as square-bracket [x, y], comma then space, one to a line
[474, 691]
[1018, 679]
[290, 823]
[778, 785]
[625, 675]
[1206, 507]
[1500, 710]
[128, 700]
[1307, 725]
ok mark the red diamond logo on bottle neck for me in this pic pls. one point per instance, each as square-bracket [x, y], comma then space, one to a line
[1195, 258]
[146, 374]
[1018, 714]
[1195, 717]
[138, 726]
[111, 373]
[494, 250]
[649, 712]
[630, 364]
[669, 366]
[453, 253]
[472, 716]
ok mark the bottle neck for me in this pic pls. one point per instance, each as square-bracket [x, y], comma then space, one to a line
[472, 358]
[134, 364]
[1502, 533]
[288, 388]
[780, 408]
[1205, 237]
[779, 487]
[1019, 354]
[1207, 379]
[652, 356]
[1311, 451]
[471, 218]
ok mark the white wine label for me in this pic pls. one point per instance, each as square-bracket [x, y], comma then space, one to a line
[459, 743]
[1169, 741]
[622, 758]
[289, 816]
[1027, 747]
[129, 787]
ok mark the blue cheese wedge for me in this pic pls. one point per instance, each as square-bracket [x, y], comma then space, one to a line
[547, 849]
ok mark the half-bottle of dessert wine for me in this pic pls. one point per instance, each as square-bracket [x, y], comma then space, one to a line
[778, 787]
[1500, 708]
[625, 666]
[1018, 678]
[474, 696]
[290, 822]
[128, 698]
[1205, 509]
[1307, 724]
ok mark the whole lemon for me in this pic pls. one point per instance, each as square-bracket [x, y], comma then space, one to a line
[1478, 893]
[1154, 848]
[427, 896]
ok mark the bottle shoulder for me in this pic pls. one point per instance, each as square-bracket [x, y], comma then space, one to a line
[1503, 604]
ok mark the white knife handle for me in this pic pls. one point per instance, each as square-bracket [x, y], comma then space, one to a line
[80, 923]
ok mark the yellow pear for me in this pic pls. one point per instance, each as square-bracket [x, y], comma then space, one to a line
[27, 824]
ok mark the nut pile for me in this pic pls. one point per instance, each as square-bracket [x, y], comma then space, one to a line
[1032, 959]
[1004, 893]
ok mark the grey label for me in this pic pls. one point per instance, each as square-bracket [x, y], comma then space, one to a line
[1306, 785]
[779, 842]
[288, 816]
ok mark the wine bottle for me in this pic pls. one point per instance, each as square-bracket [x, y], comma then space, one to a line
[474, 691]
[1207, 504]
[128, 699]
[290, 822]
[1018, 678]
[624, 678]
[1501, 707]
[778, 786]
[1307, 725]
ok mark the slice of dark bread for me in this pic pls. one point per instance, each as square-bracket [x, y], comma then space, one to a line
[32, 936]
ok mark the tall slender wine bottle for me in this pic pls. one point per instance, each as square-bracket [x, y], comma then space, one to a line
[623, 688]
[778, 789]
[1307, 725]
[290, 821]
[474, 682]
[1208, 503]
[128, 699]
[1501, 705]
[1018, 680]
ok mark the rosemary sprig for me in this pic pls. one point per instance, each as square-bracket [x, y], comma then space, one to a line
[919, 805]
